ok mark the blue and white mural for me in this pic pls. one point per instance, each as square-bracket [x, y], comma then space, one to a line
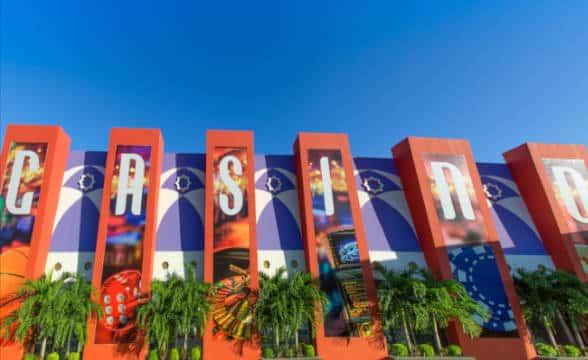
[389, 229]
[180, 215]
[390, 232]
[279, 239]
[76, 221]
[519, 238]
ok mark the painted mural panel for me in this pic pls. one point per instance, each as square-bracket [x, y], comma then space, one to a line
[569, 180]
[23, 178]
[233, 306]
[347, 313]
[121, 273]
[516, 230]
[472, 261]
[78, 210]
[386, 216]
[180, 216]
[276, 196]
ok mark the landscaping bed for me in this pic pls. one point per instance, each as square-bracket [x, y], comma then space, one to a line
[562, 357]
[293, 358]
[432, 357]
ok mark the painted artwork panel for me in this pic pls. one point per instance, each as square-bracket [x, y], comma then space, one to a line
[233, 305]
[16, 230]
[472, 259]
[475, 267]
[347, 313]
[123, 258]
[570, 185]
[456, 217]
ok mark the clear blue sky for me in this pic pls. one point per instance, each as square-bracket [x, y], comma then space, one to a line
[490, 72]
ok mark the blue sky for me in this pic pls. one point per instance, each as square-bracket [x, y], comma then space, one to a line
[492, 72]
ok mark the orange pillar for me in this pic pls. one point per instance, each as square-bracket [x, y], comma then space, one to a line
[125, 241]
[553, 180]
[32, 164]
[455, 228]
[336, 248]
[230, 244]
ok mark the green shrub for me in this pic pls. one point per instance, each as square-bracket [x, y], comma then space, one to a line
[196, 353]
[153, 355]
[268, 352]
[545, 350]
[426, 350]
[73, 356]
[174, 354]
[290, 352]
[30, 357]
[53, 356]
[308, 350]
[453, 350]
[399, 349]
[571, 350]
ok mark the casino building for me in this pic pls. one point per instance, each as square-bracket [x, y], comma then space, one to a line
[134, 213]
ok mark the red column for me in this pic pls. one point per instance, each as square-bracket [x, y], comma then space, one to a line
[230, 244]
[32, 164]
[553, 180]
[455, 228]
[125, 241]
[332, 225]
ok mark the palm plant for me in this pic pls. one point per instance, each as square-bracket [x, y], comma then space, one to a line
[448, 300]
[159, 315]
[286, 303]
[401, 300]
[304, 294]
[572, 295]
[538, 300]
[271, 309]
[193, 307]
[548, 296]
[37, 316]
[76, 306]
[414, 301]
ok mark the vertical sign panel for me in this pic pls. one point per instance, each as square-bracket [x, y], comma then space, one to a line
[472, 260]
[123, 257]
[459, 241]
[232, 319]
[553, 181]
[569, 181]
[23, 177]
[125, 242]
[347, 313]
[336, 249]
[230, 246]
[32, 164]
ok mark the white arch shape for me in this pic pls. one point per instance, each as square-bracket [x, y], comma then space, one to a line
[69, 196]
[393, 198]
[288, 198]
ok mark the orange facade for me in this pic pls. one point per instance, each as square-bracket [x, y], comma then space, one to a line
[564, 229]
[310, 148]
[123, 272]
[333, 233]
[230, 244]
[52, 147]
[438, 236]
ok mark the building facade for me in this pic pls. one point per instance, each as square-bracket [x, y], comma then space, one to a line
[134, 213]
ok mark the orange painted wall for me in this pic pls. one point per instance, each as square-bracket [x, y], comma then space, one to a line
[139, 137]
[220, 348]
[54, 167]
[335, 348]
[526, 166]
[408, 155]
